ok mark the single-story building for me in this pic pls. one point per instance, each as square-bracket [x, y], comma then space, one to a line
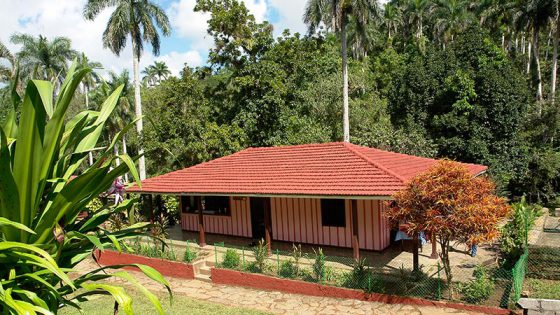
[331, 194]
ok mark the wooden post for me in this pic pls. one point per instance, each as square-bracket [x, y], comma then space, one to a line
[355, 234]
[151, 205]
[267, 224]
[415, 255]
[201, 235]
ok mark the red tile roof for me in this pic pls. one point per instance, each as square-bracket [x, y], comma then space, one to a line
[327, 169]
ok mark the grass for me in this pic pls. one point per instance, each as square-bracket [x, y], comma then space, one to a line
[542, 288]
[141, 305]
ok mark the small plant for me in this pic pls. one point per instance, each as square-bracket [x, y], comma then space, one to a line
[190, 255]
[231, 259]
[319, 265]
[296, 255]
[478, 289]
[358, 277]
[288, 269]
[261, 254]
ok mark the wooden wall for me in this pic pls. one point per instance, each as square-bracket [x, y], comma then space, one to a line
[238, 224]
[299, 220]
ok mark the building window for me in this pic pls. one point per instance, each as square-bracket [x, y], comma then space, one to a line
[333, 212]
[212, 205]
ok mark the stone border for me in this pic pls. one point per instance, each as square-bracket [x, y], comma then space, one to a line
[165, 267]
[260, 281]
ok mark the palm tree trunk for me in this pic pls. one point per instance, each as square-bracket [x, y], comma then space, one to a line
[86, 92]
[125, 152]
[116, 152]
[528, 57]
[345, 116]
[523, 44]
[138, 109]
[538, 65]
[555, 60]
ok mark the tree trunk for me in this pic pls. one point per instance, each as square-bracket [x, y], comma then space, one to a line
[538, 65]
[125, 152]
[86, 92]
[523, 44]
[529, 57]
[415, 254]
[138, 110]
[555, 60]
[116, 152]
[444, 255]
[345, 116]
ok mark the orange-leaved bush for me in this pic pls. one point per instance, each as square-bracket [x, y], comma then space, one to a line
[447, 201]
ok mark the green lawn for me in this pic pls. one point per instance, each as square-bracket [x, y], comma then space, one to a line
[141, 305]
[543, 289]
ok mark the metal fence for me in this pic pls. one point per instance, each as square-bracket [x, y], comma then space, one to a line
[491, 284]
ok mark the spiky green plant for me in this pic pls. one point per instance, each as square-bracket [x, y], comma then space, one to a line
[42, 237]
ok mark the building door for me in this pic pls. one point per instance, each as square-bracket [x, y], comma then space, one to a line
[260, 212]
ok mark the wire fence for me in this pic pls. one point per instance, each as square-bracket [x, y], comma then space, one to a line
[489, 284]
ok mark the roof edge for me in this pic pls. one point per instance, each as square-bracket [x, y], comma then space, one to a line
[348, 146]
[357, 197]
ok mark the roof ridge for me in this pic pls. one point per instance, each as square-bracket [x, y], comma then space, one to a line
[350, 148]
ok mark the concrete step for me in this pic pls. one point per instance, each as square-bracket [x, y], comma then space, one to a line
[202, 277]
[205, 271]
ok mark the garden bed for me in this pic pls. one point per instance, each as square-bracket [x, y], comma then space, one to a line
[265, 282]
[165, 267]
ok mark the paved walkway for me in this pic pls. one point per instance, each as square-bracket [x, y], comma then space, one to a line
[279, 302]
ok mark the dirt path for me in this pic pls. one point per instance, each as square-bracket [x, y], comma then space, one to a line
[279, 302]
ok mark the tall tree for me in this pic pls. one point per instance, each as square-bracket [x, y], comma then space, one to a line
[161, 70]
[392, 19]
[41, 58]
[416, 11]
[335, 14]
[7, 68]
[139, 19]
[89, 81]
[451, 17]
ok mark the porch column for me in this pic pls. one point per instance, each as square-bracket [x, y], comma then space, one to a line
[267, 225]
[355, 234]
[201, 235]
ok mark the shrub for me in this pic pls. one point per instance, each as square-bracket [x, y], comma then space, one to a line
[514, 232]
[261, 254]
[319, 265]
[190, 255]
[288, 269]
[357, 278]
[231, 259]
[478, 289]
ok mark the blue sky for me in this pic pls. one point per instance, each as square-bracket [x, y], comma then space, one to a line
[188, 42]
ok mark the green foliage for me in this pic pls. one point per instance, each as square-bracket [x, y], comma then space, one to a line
[231, 259]
[319, 268]
[296, 256]
[514, 232]
[478, 289]
[190, 255]
[470, 100]
[261, 254]
[154, 249]
[42, 237]
[288, 269]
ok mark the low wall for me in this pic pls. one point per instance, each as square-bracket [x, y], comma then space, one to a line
[259, 281]
[165, 267]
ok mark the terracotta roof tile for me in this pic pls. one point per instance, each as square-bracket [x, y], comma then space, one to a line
[327, 169]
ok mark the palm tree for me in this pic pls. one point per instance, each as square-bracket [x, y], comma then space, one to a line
[149, 77]
[539, 12]
[42, 59]
[89, 81]
[335, 15]
[122, 114]
[416, 11]
[451, 17]
[392, 19]
[161, 70]
[139, 19]
[7, 68]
